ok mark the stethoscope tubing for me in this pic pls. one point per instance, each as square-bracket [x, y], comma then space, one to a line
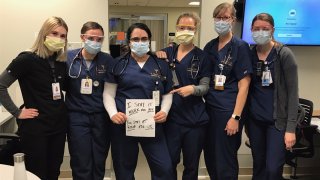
[72, 62]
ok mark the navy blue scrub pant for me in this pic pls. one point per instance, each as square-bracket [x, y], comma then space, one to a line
[89, 142]
[268, 150]
[220, 150]
[125, 149]
[190, 141]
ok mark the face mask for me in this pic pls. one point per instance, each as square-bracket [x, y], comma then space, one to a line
[222, 27]
[92, 47]
[184, 37]
[261, 37]
[140, 48]
[54, 44]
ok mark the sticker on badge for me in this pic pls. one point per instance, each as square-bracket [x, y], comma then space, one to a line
[219, 81]
[86, 86]
[56, 93]
[156, 97]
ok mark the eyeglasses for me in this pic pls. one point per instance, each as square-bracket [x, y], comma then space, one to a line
[137, 39]
[218, 18]
[181, 27]
[93, 37]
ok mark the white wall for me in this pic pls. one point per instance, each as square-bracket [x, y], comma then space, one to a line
[22, 19]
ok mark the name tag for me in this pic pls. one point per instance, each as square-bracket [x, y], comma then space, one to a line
[156, 97]
[86, 86]
[56, 93]
[266, 78]
[219, 81]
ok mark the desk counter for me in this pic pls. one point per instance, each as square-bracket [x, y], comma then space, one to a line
[7, 173]
[316, 113]
[4, 117]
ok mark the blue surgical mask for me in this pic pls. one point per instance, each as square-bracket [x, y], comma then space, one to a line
[92, 47]
[222, 27]
[140, 48]
[261, 37]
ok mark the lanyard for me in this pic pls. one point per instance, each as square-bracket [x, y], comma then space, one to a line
[53, 69]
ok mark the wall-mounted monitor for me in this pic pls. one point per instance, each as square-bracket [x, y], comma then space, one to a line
[297, 22]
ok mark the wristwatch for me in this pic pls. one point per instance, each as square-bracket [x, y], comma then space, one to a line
[236, 117]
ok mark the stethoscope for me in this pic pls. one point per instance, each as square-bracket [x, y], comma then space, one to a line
[121, 65]
[72, 62]
[227, 61]
[194, 65]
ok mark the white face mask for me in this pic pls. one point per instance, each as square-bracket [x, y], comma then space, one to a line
[222, 27]
[261, 37]
[92, 47]
[185, 37]
[140, 48]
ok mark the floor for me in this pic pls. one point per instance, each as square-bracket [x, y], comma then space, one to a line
[143, 173]
[244, 177]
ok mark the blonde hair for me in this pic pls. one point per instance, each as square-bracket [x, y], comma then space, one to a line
[192, 15]
[40, 49]
[223, 7]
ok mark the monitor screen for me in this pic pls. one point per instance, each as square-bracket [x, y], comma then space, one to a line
[297, 22]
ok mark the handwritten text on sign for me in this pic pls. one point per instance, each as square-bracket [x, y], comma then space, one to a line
[140, 122]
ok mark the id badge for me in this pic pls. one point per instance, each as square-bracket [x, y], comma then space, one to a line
[156, 97]
[86, 86]
[56, 93]
[219, 81]
[266, 78]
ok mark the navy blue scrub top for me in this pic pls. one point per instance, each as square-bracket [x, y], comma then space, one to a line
[189, 111]
[261, 97]
[135, 82]
[77, 67]
[239, 67]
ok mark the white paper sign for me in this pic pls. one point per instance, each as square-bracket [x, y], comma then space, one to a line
[140, 122]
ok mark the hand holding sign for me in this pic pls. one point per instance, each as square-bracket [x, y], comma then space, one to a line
[160, 117]
[119, 118]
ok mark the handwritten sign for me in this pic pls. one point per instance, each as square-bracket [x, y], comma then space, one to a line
[140, 122]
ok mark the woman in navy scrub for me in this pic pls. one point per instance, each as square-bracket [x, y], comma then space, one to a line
[186, 125]
[273, 101]
[227, 95]
[88, 133]
[41, 72]
[139, 75]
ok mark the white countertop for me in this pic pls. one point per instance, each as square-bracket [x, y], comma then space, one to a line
[316, 121]
[7, 173]
[4, 116]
